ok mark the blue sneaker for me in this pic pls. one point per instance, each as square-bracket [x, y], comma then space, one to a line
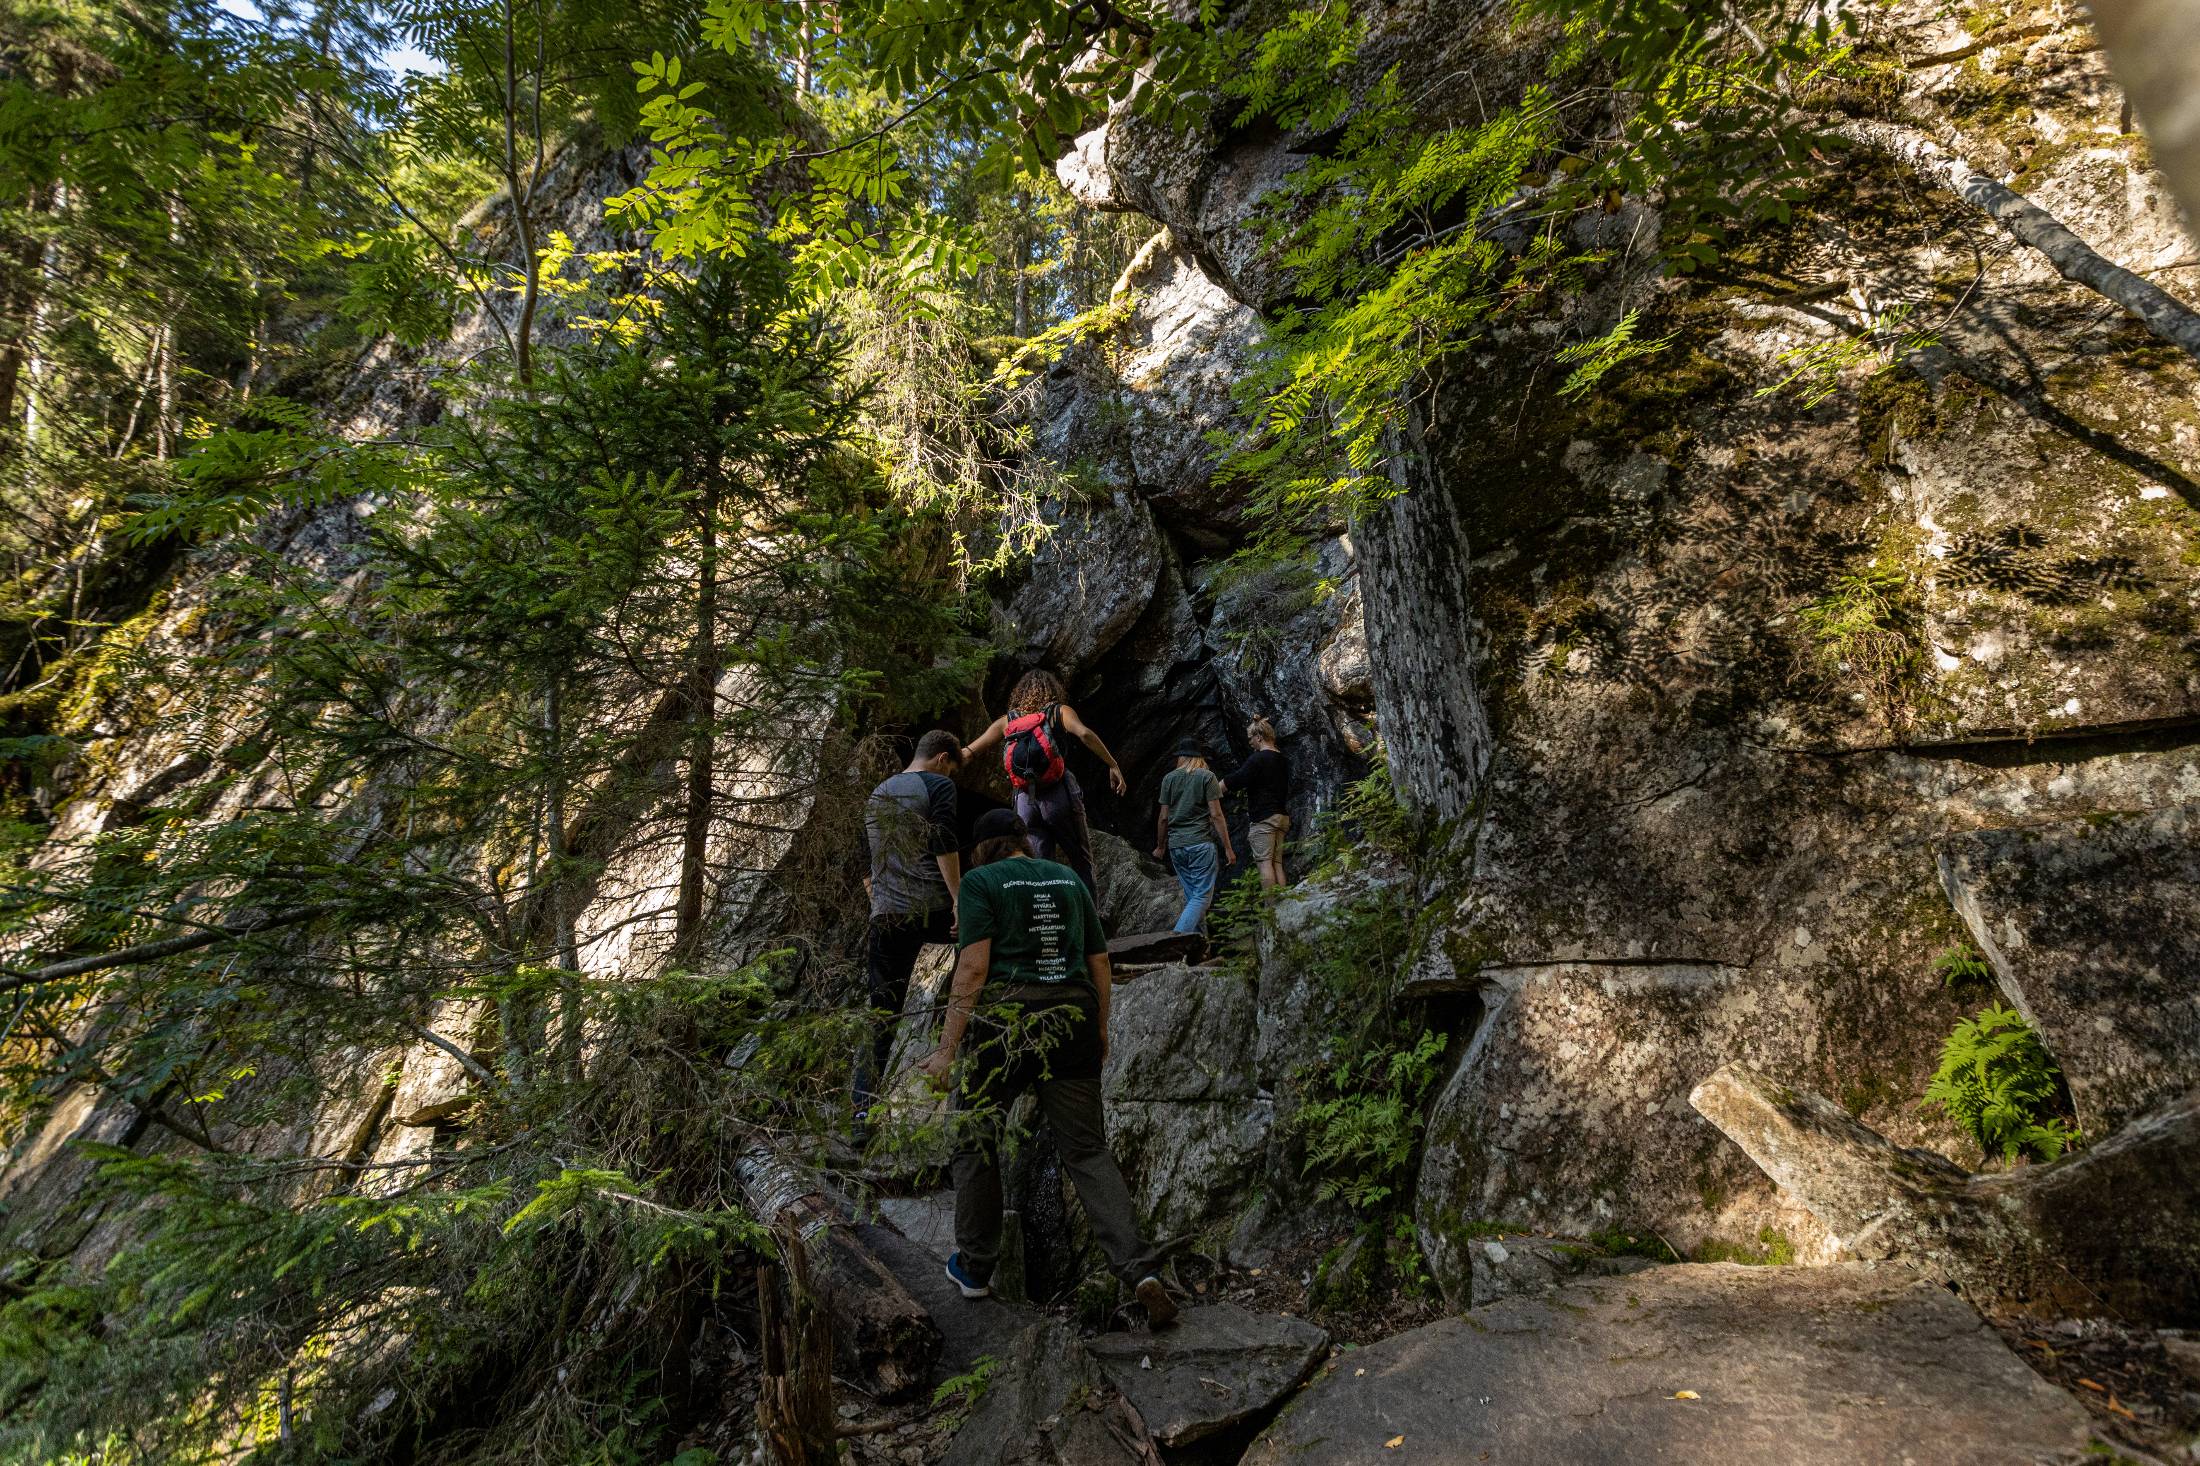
[971, 1287]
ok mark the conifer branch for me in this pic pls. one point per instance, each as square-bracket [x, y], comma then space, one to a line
[165, 947]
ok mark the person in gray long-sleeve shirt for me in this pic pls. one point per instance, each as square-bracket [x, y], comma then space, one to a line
[916, 875]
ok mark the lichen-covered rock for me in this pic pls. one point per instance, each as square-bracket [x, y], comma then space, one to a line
[1182, 1034]
[1513, 1266]
[1773, 1366]
[2091, 929]
[1134, 410]
[1136, 894]
[2108, 1229]
[1050, 1404]
[1184, 1118]
[1289, 644]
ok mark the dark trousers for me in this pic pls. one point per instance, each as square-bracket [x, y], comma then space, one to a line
[1055, 816]
[1056, 1047]
[890, 955]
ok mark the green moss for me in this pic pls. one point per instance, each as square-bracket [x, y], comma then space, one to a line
[1472, 949]
[1870, 1092]
[1618, 1243]
[102, 674]
[1345, 1276]
[1773, 1250]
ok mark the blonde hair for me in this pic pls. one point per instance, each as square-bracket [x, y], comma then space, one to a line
[1190, 761]
[1260, 730]
[1036, 691]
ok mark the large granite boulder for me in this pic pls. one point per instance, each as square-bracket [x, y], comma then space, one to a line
[2091, 929]
[1569, 1114]
[1136, 894]
[1086, 584]
[1772, 1366]
[1134, 410]
[2105, 1230]
[1645, 904]
[1184, 1115]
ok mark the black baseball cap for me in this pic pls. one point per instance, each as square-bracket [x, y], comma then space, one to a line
[995, 823]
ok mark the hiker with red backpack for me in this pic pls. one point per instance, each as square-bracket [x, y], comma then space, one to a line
[1048, 800]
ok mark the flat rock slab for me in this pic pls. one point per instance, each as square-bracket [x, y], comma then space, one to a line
[1047, 1403]
[970, 1328]
[1144, 948]
[2090, 929]
[1218, 1368]
[1792, 1367]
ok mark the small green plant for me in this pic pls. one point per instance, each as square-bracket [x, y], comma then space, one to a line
[1592, 359]
[1883, 338]
[1235, 918]
[1360, 1135]
[1959, 964]
[1863, 634]
[1998, 1084]
[967, 1389]
[1367, 819]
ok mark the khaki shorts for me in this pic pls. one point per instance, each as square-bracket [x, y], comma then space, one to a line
[1266, 836]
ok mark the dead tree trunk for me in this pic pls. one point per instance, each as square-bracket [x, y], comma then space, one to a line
[881, 1334]
[702, 753]
[2112, 1229]
[794, 1409]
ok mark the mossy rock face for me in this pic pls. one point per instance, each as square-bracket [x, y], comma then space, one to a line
[1345, 1277]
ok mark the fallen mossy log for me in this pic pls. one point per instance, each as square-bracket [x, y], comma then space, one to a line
[881, 1334]
[2113, 1229]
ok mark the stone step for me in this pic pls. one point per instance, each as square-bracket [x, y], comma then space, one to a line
[1150, 949]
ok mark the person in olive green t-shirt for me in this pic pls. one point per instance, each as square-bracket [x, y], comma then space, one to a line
[1041, 929]
[1191, 806]
[1032, 945]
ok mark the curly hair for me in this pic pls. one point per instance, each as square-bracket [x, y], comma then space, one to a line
[1036, 691]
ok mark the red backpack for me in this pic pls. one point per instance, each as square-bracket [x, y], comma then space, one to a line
[1033, 756]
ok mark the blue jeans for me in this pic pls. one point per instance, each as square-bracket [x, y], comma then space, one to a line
[1196, 867]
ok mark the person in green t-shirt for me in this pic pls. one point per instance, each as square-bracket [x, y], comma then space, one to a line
[1191, 806]
[1031, 944]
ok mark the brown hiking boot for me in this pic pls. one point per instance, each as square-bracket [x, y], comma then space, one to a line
[1160, 1307]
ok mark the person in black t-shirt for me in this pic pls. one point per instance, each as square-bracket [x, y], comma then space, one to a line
[1265, 780]
[916, 876]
